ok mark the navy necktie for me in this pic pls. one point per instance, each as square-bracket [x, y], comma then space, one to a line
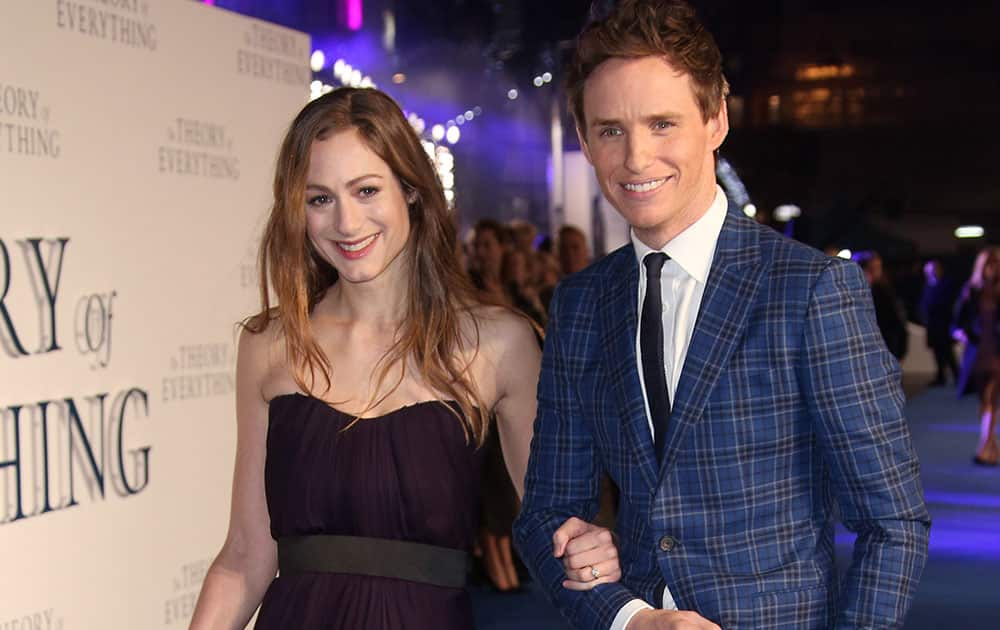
[651, 346]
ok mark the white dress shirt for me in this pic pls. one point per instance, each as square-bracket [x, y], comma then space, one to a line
[682, 285]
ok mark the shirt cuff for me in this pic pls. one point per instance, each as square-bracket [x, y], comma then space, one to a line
[628, 611]
[668, 599]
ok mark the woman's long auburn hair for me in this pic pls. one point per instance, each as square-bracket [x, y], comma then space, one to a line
[438, 293]
[978, 278]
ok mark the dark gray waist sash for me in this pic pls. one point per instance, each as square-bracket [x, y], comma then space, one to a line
[380, 557]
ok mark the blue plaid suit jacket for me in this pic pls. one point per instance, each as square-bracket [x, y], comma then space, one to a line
[788, 411]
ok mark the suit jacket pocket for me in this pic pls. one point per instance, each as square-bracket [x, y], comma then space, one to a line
[802, 609]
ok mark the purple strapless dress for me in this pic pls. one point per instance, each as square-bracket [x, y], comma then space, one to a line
[407, 475]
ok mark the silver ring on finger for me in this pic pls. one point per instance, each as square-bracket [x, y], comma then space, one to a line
[595, 572]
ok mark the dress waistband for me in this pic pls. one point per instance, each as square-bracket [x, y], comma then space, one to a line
[382, 557]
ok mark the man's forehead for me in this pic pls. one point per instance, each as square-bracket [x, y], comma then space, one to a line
[641, 89]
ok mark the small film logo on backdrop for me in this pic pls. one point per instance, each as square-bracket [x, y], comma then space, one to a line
[125, 23]
[271, 54]
[25, 128]
[44, 619]
[197, 148]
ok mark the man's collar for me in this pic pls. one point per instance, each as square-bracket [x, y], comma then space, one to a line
[694, 248]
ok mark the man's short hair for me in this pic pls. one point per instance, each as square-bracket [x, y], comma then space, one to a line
[650, 28]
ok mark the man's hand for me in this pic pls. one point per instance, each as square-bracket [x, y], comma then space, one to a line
[588, 553]
[669, 620]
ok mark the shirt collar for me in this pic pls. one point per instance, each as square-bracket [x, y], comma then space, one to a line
[694, 248]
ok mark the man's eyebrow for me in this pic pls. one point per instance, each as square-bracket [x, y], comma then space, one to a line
[651, 118]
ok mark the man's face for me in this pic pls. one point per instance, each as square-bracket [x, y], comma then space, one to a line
[573, 254]
[650, 148]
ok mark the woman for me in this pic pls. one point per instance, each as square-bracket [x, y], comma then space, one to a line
[490, 243]
[978, 326]
[362, 396]
[515, 275]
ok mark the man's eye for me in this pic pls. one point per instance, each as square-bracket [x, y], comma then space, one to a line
[662, 125]
[608, 132]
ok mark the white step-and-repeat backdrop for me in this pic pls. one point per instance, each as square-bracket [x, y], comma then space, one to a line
[137, 145]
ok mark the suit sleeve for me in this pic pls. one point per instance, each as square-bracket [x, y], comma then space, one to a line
[852, 385]
[562, 481]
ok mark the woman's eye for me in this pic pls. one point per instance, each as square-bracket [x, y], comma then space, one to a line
[318, 200]
[367, 191]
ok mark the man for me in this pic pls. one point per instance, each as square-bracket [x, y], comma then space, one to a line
[734, 399]
[889, 313]
[937, 301]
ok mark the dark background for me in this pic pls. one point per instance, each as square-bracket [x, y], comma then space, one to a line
[891, 153]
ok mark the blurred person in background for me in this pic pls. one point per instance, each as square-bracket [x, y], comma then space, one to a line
[489, 242]
[573, 251]
[977, 325]
[548, 275]
[523, 234]
[937, 301]
[888, 310]
[515, 275]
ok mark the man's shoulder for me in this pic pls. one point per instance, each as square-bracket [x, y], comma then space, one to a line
[783, 256]
[777, 247]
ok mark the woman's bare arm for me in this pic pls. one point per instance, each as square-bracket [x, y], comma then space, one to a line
[247, 563]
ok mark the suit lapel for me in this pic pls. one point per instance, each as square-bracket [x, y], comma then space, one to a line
[617, 313]
[729, 293]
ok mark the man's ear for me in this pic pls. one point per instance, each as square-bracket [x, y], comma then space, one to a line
[582, 137]
[718, 126]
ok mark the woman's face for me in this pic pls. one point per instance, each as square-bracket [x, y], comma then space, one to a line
[356, 213]
[488, 252]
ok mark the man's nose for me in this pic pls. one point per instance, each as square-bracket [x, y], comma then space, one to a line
[638, 154]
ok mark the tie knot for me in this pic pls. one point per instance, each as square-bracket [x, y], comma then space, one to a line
[654, 263]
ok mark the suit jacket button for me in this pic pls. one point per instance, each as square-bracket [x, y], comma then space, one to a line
[667, 543]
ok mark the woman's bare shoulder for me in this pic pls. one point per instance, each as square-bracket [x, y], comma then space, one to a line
[261, 354]
[502, 329]
[259, 335]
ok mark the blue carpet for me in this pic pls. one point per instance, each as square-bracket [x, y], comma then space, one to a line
[961, 583]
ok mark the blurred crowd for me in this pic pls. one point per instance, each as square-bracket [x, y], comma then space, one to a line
[516, 265]
[957, 317]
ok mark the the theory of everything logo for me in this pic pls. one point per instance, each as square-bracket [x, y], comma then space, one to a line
[273, 55]
[45, 619]
[178, 607]
[204, 150]
[200, 371]
[122, 22]
[45, 445]
[24, 123]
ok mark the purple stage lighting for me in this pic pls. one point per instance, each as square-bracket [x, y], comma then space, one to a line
[354, 17]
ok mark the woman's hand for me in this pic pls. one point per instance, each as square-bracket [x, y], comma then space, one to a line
[589, 554]
[498, 559]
